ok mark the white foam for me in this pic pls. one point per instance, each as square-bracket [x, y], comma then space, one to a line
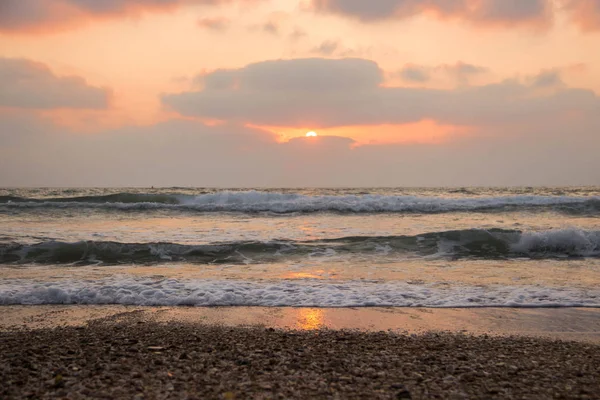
[578, 242]
[254, 201]
[301, 293]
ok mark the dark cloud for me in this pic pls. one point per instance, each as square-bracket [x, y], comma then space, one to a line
[37, 15]
[505, 12]
[31, 85]
[510, 10]
[325, 93]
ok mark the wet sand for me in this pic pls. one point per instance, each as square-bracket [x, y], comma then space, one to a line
[582, 324]
[136, 354]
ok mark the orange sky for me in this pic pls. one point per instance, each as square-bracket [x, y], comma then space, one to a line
[141, 55]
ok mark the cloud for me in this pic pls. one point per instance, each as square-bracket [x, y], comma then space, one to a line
[297, 34]
[270, 27]
[482, 12]
[462, 72]
[215, 24]
[40, 15]
[327, 48]
[585, 13]
[415, 73]
[547, 79]
[327, 93]
[31, 85]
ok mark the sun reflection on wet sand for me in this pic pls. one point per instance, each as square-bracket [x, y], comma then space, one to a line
[310, 319]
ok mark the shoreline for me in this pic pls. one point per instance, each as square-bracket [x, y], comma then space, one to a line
[578, 324]
[133, 355]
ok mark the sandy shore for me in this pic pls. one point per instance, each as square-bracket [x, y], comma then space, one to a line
[131, 356]
[581, 324]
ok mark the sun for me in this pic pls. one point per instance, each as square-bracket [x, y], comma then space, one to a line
[311, 134]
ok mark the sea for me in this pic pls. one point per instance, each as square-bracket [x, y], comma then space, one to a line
[306, 247]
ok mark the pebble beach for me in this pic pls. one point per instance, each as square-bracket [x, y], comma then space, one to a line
[129, 357]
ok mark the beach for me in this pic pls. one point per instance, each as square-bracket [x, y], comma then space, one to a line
[133, 353]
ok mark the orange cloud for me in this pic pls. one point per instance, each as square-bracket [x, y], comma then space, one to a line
[35, 16]
[585, 13]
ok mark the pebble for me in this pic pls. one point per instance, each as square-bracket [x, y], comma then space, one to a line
[229, 363]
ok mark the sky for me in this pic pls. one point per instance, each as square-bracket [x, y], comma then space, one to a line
[221, 93]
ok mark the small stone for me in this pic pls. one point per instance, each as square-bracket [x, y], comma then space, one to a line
[403, 394]
[59, 381]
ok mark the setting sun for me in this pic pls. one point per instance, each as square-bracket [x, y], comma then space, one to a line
[311, 134]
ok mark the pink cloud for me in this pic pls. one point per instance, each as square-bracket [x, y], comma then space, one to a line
[585, 13]
[25, 16]
[30, 85]
[214, 24]
[534, 13]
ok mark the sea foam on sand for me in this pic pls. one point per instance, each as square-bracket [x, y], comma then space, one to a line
[299, 293]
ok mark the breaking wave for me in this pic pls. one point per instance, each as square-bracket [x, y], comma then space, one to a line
[471, 243]
[303, 293]
[255, 201]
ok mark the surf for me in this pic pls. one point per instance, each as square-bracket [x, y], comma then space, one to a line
[458, 244]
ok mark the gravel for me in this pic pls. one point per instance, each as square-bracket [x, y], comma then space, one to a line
[135, 359]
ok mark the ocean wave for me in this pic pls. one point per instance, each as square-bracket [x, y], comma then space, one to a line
[303, 293]
[118, 198]
[255, 201]
[469, 243]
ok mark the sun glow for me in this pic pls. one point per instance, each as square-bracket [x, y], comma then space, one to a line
[311, 134]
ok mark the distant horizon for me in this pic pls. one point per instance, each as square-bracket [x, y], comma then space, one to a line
[303, 187]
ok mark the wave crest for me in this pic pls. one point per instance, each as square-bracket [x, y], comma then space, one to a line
[470, 243]
[255, 201]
